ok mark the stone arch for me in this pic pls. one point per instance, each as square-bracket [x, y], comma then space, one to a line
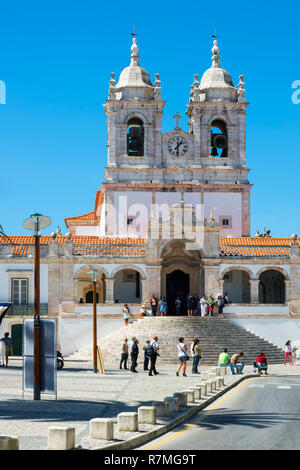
[132, 267]
[273, 268]
[272, 286]
[128, 284]
[90, 267]
[237, 268]
[83, 282]
[174, 241]
[219, 117]
[135, 115]
[237, 286]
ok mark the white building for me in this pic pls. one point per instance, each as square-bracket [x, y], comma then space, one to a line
[171, 218]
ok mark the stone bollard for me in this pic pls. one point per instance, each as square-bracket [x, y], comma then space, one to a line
[182, 399]
[102, 428]
[61, 438]
[128, 422]
[190, 395]
[197, 392]
[223, 370]
[147, 415]
[9, 443]
[204, 376]
[221, 381]
[218, 370]
[203, 388]
[208, 387]
[213, 370]
[162, 408]
[213, 385]
[173, 404]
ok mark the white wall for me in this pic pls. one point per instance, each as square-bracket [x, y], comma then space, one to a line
[275, 330]
[225, 204]
[22, 270]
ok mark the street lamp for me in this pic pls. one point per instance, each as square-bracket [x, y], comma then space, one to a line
[35, 223]
[94, 280]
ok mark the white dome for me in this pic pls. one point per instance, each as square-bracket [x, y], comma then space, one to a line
[134, 76]
[216, 78]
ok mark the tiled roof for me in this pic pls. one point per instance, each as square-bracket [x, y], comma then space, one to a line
[256, 241]
[82, 245]
[91, 218]
[128, 246]
[255, 246]
[76, 239]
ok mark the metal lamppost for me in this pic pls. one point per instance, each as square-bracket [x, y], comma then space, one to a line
[94, 280]
[35, 223]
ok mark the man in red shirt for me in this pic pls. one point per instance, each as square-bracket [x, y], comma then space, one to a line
[260, 364]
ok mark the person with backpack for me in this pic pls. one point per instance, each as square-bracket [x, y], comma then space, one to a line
[152, 353]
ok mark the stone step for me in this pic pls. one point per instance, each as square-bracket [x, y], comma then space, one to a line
[214, 334]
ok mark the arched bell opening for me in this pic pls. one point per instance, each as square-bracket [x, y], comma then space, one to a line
[135, 138]
[219, 139]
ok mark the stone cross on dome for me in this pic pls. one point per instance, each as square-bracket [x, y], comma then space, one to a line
[177, 117]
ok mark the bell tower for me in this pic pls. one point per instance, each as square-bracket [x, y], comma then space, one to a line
[134, 109]
[217, 115]
[217, 121]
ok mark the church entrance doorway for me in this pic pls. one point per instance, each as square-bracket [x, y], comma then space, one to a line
[177, 285]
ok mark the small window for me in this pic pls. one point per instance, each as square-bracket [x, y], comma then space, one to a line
[19, 291]
[225, 221]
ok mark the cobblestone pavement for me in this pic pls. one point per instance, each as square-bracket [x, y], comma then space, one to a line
[83, 395]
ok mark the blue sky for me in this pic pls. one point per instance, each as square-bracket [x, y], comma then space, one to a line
[56, 58]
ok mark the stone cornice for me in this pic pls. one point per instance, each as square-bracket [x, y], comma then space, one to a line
[170, 187]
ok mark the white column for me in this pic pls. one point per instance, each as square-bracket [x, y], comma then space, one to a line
[109, 290]
[254, 293]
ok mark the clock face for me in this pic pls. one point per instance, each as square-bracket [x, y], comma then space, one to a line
[177, 146]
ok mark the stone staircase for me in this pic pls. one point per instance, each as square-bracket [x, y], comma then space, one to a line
[214, 334]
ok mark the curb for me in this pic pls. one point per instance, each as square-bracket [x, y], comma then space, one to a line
[164, 428]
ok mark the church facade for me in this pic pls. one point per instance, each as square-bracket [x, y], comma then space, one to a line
[171, 218]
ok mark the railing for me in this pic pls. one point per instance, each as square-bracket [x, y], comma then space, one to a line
[23, 310]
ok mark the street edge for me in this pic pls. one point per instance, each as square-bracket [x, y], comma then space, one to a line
[148, 436]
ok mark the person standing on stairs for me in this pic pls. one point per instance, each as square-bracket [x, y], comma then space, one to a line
[189, 305]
